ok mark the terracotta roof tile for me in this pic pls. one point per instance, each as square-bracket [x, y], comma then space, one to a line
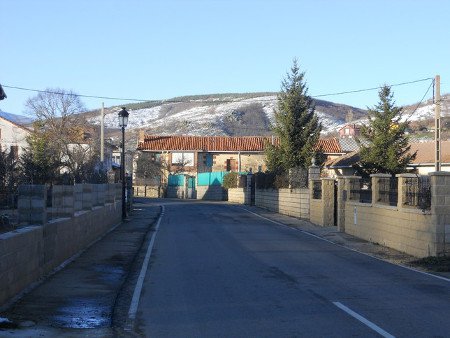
[205, 143]
[425, 152]
[329, 145]
[223, 143]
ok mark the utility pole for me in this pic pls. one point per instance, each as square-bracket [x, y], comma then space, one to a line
[102, 134]
[437, 123]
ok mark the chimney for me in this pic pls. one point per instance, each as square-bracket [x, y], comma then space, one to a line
[141, 136]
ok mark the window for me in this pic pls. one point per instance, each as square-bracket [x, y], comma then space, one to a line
[183, 159]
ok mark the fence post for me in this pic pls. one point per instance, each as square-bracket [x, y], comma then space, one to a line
[440, 212]
[341, 199]
[328, 201]
[314, 171]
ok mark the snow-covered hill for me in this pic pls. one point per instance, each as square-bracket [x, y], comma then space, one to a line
[224, 116]
[237, 115]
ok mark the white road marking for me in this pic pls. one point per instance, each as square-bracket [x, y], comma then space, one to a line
[138, 289]
[342, 246]
[363, 320]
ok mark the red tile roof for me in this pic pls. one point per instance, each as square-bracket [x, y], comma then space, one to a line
[426, 152]
[205, 143]
[222, 143]
[330, 146]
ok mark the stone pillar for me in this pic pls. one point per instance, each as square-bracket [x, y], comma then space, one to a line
[328, 201]
[63, 201]
[376, 186]
[313, 171]
[440, 212]
[402, 187]
[87, 197]
[248, 189]
[341, 199]
[32, 204]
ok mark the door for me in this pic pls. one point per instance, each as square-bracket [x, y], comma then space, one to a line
[191, 192]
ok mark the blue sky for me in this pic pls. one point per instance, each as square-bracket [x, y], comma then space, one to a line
[163, 49]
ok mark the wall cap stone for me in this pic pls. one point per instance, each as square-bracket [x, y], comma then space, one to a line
[381, 175]
[407, 175]
[439, 173]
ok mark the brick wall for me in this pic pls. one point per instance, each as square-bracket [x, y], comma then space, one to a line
[238, 195]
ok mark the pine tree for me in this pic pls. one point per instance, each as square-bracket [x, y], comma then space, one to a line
[385, 149]
[296, 125]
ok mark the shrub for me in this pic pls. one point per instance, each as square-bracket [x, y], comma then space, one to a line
[230, 180]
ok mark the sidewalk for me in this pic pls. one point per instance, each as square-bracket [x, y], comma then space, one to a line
[333, 235]
[86, 292]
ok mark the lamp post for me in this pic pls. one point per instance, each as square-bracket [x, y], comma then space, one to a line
[123, 121]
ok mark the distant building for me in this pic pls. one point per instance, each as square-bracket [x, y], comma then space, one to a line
[350, 130]
[13, 137]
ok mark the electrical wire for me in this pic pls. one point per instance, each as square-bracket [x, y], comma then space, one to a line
[423, 98]
[219, 101]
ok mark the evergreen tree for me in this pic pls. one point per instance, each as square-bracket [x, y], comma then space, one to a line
[296, 125]
[385, 149]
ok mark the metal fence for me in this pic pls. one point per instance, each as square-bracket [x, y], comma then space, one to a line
[361, 190]
[417, 192]
[388, 191]
[317, 190]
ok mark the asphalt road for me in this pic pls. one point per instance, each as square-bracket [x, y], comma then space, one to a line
[217, 270]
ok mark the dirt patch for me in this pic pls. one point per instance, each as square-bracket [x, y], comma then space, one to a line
[436, 264]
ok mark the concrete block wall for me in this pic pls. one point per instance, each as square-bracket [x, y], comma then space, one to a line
[440, 210]
[239, 195]
[176, 192]
[322, 210]
[28, 253]
[32, 204]
[211, 193]
[291, 202]
[147, 191]
[63, 201]
[404, 228]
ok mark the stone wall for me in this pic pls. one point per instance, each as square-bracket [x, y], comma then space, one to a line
[291, 202]
[30, 252]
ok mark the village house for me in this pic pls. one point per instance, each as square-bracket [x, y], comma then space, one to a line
[13, 137]
[201, 154]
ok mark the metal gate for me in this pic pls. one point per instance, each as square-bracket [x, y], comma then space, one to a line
[191, 192]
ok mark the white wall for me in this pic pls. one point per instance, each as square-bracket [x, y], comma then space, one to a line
[12, 135]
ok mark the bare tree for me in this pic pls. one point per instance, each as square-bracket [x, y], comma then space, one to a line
[57, 117]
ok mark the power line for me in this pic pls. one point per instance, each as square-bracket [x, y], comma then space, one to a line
[423, 98]
[193, 100]
[373, 88]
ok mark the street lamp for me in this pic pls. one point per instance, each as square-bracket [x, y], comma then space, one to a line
[123, 121]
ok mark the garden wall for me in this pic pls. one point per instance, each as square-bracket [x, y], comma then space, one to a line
[32, 251]
[291, 202]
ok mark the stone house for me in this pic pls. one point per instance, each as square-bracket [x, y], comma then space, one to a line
[199, 154]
